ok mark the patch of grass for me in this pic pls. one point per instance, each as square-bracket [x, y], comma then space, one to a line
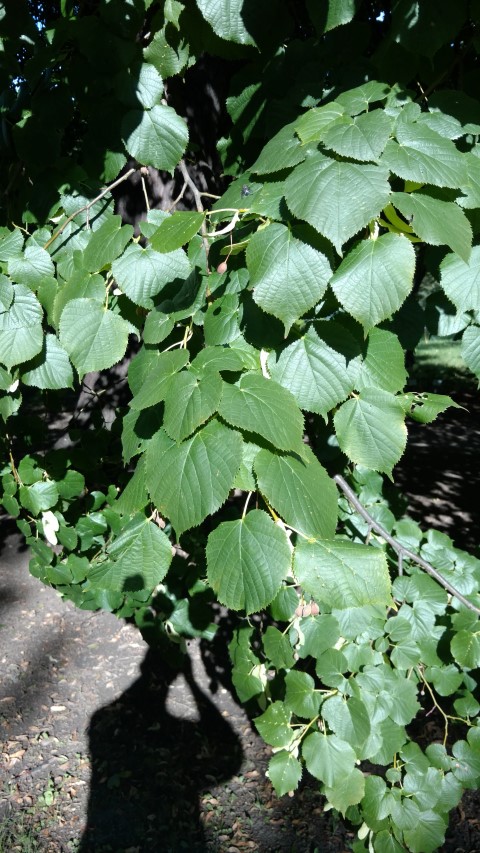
[17, 834]
[438, 366]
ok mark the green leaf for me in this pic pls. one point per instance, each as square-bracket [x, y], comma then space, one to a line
[339, 12]
[189, 402]
[6, 293]
[465, 648]
[284, 772]
[350, 720]
[11, 244]
[337, 198]
[29, 270]
[244, 478]
[139, 558]
[156, 137]
[328, 758]
[471, 188]
[150, 381]
[248, 674]
[191, 480]
[149, 86]
[94, 337]
[312, 124]
[287, 275]
[222, 358]
[134, 496]
[428, 834]
[358, 100]
[342, 574]
[316, 374]
[466, 768]
[277, 648]
[262, 406]
[384, 363]
[221, 320]
[226, 19]
[317, 635]
[247, 561]
[371, 429]
[51, 368]
[143, 273]
[106, 244]
[375, 278]
[274, 725]
[300, 490]
[471, 349]
[361, 138]
[157, 327]
[348, 792]
[445, 679]
[39, 496]
[283, 151]
[176, 231]
[437, 222]
[79, 285]
[422, 155]
[21, 333]
[301, 697]
[461, 280]
[424, 407]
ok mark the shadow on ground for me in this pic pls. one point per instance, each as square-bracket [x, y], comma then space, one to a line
[150, 764]
[440, 472]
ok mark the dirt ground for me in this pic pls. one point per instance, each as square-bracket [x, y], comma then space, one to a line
[106, 751]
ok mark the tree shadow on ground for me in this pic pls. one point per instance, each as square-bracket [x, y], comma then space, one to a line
[440, 473]
[149, 765]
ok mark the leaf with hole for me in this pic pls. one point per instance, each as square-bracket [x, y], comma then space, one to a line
[371, 429]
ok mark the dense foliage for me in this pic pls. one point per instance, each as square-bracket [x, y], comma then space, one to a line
[268, 393]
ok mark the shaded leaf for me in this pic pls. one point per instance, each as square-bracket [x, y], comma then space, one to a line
[342, 574]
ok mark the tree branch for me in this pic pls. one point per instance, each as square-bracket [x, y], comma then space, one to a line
[89, 205]
[400, 549]
[197, 197]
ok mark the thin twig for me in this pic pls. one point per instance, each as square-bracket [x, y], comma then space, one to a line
[86, 207]
[400, 549]
[178, 198]
[197, 196]
[145, 193]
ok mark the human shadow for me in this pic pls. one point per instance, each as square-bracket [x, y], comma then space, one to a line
[150, 766]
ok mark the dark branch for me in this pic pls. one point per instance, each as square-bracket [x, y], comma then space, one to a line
[400, 549]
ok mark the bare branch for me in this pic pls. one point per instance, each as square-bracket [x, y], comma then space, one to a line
[197, 196]
[400, 549]
[86, 207]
